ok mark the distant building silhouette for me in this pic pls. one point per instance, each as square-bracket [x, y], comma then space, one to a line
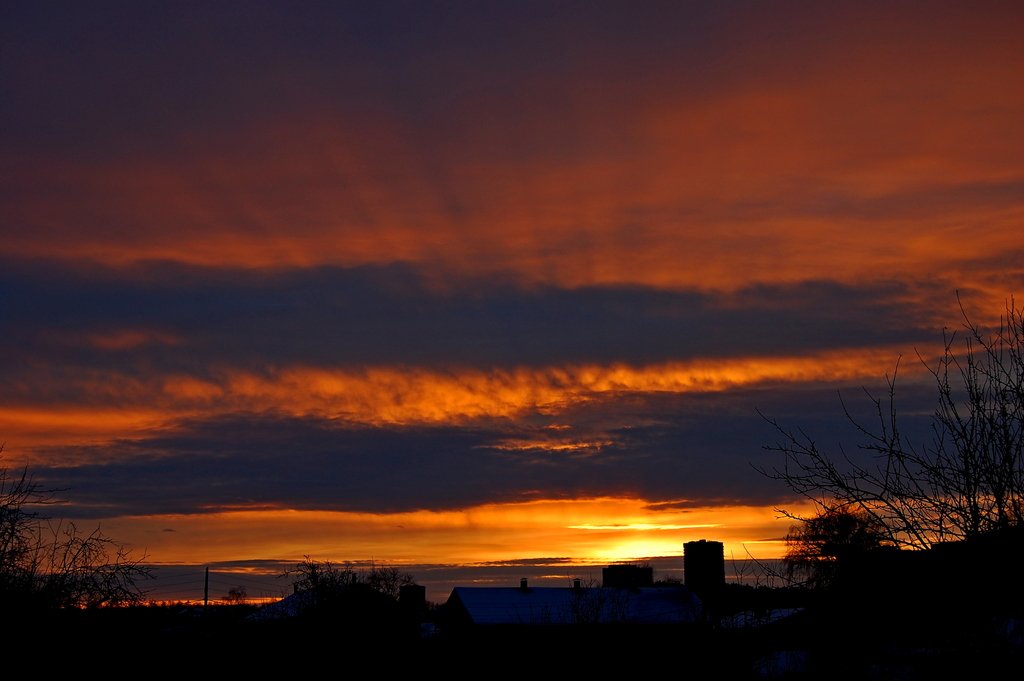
[627, 576]
[704, 565]
[412, 598]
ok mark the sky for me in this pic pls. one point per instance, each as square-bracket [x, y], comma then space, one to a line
[451, 285]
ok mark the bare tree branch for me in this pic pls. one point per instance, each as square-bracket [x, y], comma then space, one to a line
[967, 480]
[51, 564]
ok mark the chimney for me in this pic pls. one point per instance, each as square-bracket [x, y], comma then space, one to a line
[522, 584]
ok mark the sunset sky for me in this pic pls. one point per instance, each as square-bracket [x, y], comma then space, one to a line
[482, 283]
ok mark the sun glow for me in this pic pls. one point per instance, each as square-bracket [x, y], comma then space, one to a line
[583, 531]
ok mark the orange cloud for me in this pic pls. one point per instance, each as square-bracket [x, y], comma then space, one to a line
[689, 208]
[46, 425]
[409, 395]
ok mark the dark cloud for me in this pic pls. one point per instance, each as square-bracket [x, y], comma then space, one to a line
[122, 77]
[126, 78]
[526, 562]
[338, 317]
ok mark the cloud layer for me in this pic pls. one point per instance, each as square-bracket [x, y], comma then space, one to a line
[399, 258]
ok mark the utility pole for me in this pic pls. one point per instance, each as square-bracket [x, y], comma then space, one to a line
[206, 589]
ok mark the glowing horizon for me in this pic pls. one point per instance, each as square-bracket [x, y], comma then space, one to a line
[577, 532]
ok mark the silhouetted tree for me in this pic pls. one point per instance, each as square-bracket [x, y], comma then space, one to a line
[818, 548]
[967, 480]
[48, 565]
[316, 575]
[236, 595]
[330, 585]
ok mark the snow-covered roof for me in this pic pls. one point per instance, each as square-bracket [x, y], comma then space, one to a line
[289, 606]
[548, 605]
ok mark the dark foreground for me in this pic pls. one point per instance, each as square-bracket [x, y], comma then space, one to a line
[957, 612]
[834, 636]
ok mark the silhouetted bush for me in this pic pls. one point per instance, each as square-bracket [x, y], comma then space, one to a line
[48, 565]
